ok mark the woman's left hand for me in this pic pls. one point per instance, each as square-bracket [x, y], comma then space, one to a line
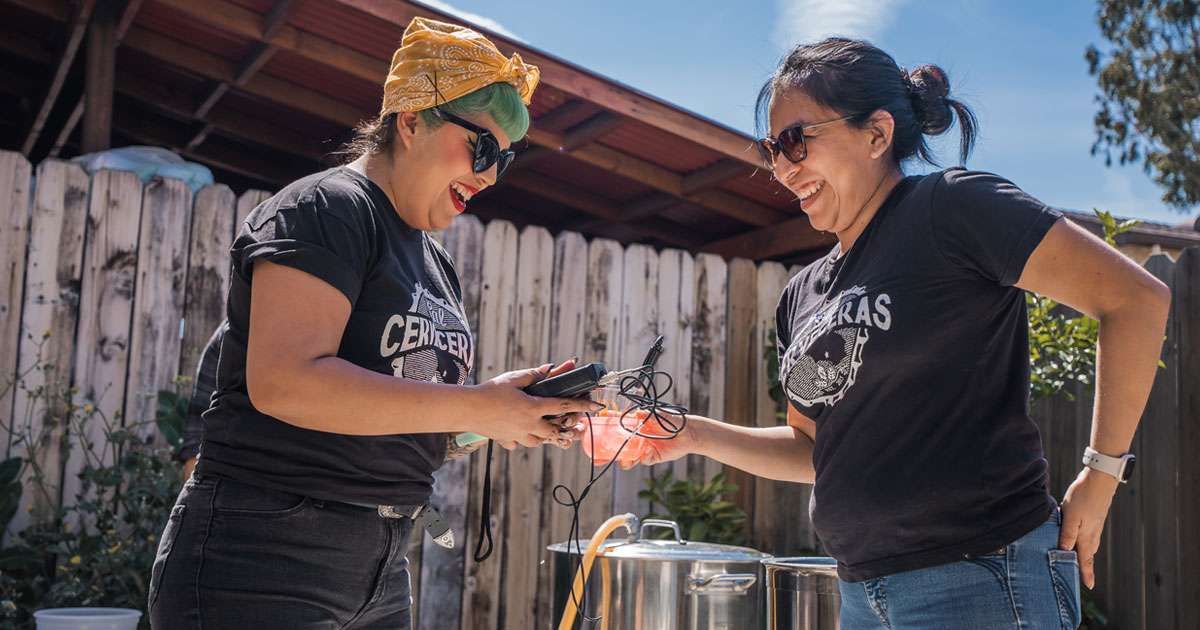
[1084, 509]
[571, 425]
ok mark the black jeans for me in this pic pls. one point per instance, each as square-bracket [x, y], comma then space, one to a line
[238, 556]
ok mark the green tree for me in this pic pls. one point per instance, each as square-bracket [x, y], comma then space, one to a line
[1150, 91]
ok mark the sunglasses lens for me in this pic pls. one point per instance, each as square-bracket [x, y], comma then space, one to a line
[486, 152]
[766, 149]
[791, 143]
[506, 158]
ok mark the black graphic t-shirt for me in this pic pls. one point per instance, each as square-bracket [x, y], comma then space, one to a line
[910, 353]
[407, 320]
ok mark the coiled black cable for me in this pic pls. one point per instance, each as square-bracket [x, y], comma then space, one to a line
[640, 388]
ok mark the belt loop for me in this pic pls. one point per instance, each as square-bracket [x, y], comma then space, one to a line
[318, 503]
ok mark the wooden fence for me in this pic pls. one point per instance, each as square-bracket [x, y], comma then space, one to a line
[130, 278]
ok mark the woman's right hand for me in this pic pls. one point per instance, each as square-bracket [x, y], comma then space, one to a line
[662, 451]
[511, 417]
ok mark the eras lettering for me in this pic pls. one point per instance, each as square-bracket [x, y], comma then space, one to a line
[861, 315]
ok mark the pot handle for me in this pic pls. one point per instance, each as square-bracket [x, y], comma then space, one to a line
[657, 522]
[735, 583]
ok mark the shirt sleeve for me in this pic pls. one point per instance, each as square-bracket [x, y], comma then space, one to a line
[310, 237]
[783, 324]
[984, 224]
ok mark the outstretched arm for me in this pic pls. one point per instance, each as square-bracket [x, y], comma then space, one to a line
[1075, 268]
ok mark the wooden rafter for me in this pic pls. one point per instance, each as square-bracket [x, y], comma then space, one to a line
[127, 14]
[252, 129]
[262, 53]
[232, 160]
[75, 32]
[713, 174]
[590, 130]
[793, 235]
[101, 65]
[644, 207]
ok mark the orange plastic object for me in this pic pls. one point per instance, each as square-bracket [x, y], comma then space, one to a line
[606, 432]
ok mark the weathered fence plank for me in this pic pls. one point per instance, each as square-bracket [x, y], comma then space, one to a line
[1186, 291]
[566, 468]
[708, 351]
[523, 522]
[247, 202]
[51, 303]
[207, 271]
[676, 309]
[602, 334]
[497, 306]
[639, 328]
[16, 181]
[780, 522]
[160, 292]
[105, 314]
[742, 355]
[442, 570]
[1160, 425]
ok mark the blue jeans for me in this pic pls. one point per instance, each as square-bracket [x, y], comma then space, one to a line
[1029, 584]
[239, 556]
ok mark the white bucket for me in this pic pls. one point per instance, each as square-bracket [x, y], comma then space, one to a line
[87, 619]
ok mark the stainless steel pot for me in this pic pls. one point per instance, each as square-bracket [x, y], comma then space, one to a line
[664, 584]
[802, 594]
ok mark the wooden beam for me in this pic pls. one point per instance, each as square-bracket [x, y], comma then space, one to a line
[664, 180]
[101, 65]
[640, 209]
[127, 15]
[153, 132]
[587, 85]
[278, 17]
[713, 174]
[200, 137]
[590, 130]
[215, 67]
[566, 115]
[215, 92]
[247, 23]
[75, 32]
[65, 133]
[793, 235]
[252, 129]
[30, 48]
[557, 190]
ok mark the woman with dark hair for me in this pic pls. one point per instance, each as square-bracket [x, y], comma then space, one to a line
[340, 380]
[904, 356]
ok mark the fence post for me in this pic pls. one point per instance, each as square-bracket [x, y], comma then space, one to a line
[51, 303]
[16, 181]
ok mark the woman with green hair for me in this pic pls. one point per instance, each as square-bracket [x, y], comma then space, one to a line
[341, 380]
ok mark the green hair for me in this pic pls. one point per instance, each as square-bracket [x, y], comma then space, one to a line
[501, 100]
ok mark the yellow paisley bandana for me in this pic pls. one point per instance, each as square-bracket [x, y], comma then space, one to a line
[458, 59]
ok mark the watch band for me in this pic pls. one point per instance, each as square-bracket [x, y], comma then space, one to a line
[1119, 467]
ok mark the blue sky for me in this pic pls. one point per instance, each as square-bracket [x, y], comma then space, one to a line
[1019, 64]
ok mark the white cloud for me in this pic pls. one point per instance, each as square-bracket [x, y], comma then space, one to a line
[474, 18]
[808, 21]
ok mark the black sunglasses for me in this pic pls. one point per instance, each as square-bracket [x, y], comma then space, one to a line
[487, 147]
[790, 142]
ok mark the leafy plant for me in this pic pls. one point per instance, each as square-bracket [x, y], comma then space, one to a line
[1062, 347]
[97, 549]
[698, 507]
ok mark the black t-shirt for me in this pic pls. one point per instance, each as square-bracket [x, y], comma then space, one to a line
[407, 321]
[910, 353]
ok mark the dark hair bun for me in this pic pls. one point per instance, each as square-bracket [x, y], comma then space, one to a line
[929, 89]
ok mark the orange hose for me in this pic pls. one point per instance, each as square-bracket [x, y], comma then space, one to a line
[628, 521]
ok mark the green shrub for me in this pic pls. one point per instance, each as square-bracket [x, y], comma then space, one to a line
[697, 506]
[98, 550]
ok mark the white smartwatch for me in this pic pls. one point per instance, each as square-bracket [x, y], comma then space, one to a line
[1119, 467]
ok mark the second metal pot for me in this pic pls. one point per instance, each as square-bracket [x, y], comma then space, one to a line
[802, 594]
[668, 584]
